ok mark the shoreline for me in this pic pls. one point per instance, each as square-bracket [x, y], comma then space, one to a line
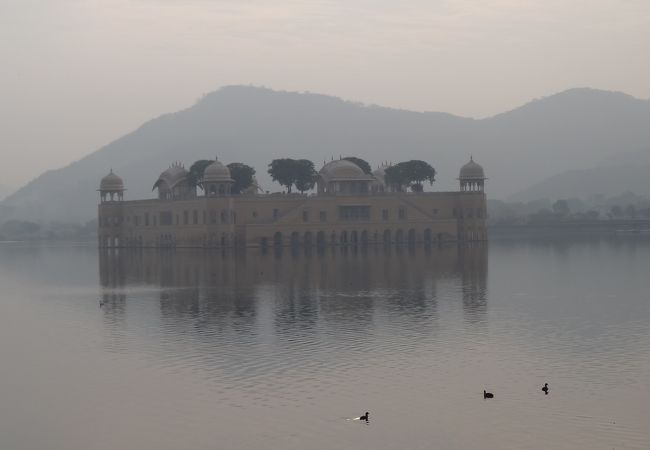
[611, 228]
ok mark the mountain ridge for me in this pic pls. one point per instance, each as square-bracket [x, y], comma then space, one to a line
[582, 183]
[254, 125]
[5, 191]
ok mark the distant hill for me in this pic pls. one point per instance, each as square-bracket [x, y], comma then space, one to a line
[616, 174]
[606, 180]
[570, 130]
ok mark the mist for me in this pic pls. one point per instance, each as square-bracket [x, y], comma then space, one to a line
[284, 224]
[78, 75]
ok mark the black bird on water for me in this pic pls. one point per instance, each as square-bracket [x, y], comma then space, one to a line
[487, 394]
[545, 388]
[364, 417]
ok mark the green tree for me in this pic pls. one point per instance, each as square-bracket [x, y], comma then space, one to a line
[561, 208]
[616, 211]
[419, 172]
[288, 172]
[631, 211]
[284, 172]
[19, 228]
[395, 176]
[195, 175]
[542, 215]
[242, 174]
[307, 175]
[362, 163]
[410, 173]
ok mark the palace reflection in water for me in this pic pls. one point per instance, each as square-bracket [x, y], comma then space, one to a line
[299, 286]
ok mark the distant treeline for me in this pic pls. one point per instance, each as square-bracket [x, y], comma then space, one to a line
[597, 208]
[22, 230]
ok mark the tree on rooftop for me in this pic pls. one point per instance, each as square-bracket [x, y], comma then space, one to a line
[287, 172]
[307, 175]
[284, 172]
[395, 176]
[195, 174]
[410, 173]
[242, 175]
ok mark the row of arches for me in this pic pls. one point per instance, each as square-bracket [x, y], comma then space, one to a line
[307, 239]
[355, 237]
[111, 196]
[472, 185]
[210, 240]
[170, 241]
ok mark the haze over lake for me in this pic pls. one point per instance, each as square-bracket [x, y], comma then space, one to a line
[155, 349]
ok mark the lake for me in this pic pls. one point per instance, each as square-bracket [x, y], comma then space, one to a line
[192, 349]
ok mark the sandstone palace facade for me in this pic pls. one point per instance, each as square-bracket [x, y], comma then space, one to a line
[349, 208]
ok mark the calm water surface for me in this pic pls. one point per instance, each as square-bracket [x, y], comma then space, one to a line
[200, 350]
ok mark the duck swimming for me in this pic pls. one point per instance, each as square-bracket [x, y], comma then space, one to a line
[545, 388]
[487, 394]
[364, 417]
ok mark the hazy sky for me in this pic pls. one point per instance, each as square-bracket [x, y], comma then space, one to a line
[76, 74]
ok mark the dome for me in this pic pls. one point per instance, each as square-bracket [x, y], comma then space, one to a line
[216, 172]
[471, 170]
[111, 182]
[380, 172]
[173, 176]
[342, 169]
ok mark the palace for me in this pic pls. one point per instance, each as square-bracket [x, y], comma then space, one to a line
[349, 207]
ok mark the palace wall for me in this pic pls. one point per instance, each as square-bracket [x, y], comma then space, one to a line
[293, 219]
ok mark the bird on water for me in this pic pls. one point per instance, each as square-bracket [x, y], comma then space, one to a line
[487, 394]
[545, 388]
[364, 417]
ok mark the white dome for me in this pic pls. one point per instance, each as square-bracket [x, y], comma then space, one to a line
[342, 169]
[471, 170]
[216, 172]
[111, 182]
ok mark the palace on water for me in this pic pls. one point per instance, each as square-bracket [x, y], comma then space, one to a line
[350, 207]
